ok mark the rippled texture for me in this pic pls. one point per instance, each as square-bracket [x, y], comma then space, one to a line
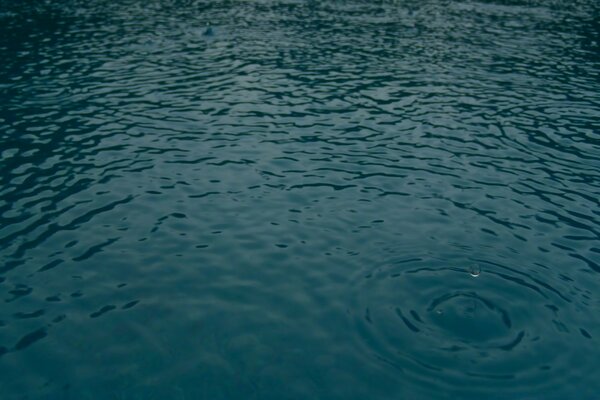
[299, 200]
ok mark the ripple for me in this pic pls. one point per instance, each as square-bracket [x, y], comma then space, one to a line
[428, 317]
[31, 338]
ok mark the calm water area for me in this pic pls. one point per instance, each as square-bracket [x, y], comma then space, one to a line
[273, 199]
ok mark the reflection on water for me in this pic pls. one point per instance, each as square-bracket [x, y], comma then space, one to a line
[299, 199]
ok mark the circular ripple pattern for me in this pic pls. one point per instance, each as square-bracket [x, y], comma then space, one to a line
[431, 319]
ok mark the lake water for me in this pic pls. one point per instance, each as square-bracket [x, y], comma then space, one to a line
[299, 199]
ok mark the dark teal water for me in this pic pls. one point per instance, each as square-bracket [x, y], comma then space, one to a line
[299, 199]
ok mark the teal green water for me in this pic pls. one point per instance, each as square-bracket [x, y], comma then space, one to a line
[299, 199]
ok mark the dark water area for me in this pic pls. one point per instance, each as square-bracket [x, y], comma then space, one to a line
[299, 199]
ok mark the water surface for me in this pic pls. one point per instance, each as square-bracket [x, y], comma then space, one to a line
[299, 199]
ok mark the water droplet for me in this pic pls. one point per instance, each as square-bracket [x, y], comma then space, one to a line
[208, 31]
[474, 270]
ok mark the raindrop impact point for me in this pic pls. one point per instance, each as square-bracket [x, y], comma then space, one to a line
[475, 270]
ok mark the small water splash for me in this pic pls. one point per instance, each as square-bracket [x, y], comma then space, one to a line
[208, 31]
[474, 270]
